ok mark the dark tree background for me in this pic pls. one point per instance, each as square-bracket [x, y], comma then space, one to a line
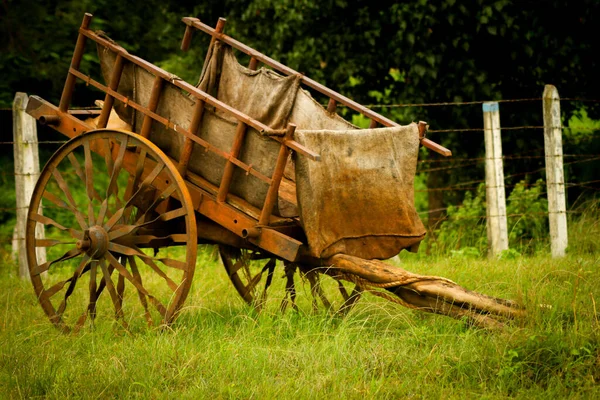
[377, 52]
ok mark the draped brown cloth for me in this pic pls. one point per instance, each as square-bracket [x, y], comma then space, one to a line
[358, 200]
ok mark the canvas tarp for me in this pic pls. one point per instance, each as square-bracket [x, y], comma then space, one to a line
[357, 200]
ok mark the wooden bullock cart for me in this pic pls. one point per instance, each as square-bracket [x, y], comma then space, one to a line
[165, 165]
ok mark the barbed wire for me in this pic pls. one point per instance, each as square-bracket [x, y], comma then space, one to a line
[434, 104]
[481, 160]
[475, 102]
[38, 142]
[513, 128]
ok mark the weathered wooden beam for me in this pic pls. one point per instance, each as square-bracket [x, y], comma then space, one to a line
[27, 172]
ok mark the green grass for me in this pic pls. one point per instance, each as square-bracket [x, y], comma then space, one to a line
[219, 348]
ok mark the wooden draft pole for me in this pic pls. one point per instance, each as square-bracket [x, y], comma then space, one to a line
[555, 179]
[27, 172]
[497, 231]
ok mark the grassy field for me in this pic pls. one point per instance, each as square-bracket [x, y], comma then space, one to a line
[219, 348]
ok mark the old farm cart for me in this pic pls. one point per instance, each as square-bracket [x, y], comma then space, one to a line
[165, 165]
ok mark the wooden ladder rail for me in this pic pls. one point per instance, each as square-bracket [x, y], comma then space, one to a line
[202, 98]
[273, 191]
[339, 98]
[67, 94]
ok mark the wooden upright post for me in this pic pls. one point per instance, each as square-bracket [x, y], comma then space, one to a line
[497, 231]
[27, 172]
[555, 181]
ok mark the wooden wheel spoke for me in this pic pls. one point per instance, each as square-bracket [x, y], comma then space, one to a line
[343, 291]
[91, 307]
[62, 184]
[132, 188]
[174, 238]
[169, 215]
[111, 287]
[169, 262]
[57, 201]
[136, 251]
[76, 166]
[164, 195]
[128, 192]
[92, 193]
[351, 300]
[317, 290]
[103, 211]
[72, 283]
[290, 287]
[107, 155]
[93, 289]
[121, 290]
[49, 221]
[149, 262]
[142, 296]
[123, 271]
[113, 188]
[145, 184]
[152, 176]
[129, 229]
[270, 268]
[233, 270]
[253, 283]
[49, 242]
[89, 182]
[56, 288]
[45, 266]
[114, 219]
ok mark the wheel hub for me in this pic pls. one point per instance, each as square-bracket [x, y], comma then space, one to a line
[95, 242]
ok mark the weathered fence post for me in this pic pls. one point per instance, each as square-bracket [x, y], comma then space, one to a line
[555, 180]
[27, 172]
[497, 231]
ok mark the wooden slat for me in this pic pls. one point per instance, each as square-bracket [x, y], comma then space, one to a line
[333, 95]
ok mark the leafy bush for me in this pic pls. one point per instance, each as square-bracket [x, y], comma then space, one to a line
[527, 211]
[464, 231]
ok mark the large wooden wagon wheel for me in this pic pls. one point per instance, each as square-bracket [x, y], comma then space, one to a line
[251, 273]
[119, 219]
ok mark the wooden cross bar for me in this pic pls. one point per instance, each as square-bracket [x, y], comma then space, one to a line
[332, 106]
[186, 152]
[152, 106]
[114, 84]
[273, 192]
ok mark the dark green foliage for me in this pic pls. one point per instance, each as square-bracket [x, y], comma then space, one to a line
[464, 231]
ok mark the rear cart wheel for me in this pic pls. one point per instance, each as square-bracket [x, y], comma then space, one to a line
[251, 273]
[118, 218]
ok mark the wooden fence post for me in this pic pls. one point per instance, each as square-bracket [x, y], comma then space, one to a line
[27, 172]
[555, 180]
[497, 231]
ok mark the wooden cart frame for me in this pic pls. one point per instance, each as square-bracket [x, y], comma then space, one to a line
[223, 218]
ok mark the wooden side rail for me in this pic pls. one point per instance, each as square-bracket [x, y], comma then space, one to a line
[176, 81]
[202, 98]
[334, 96]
